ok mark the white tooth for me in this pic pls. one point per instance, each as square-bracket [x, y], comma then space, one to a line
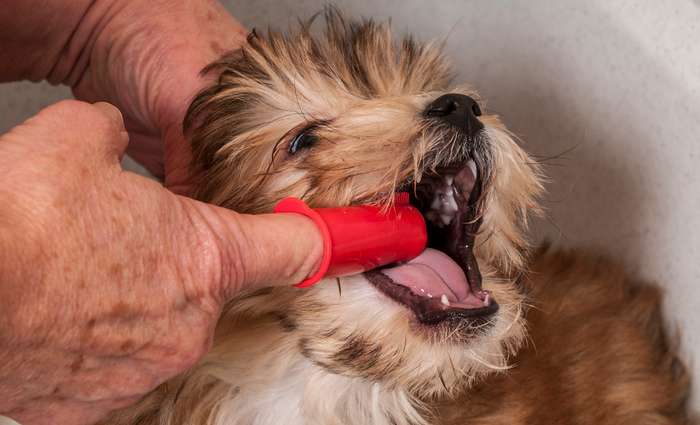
[443, 206]
[436, 203]
[472, 166]
[446, 218]
[486, 300]
[444, 300]
[430, 295]
[451, 204]
[422, 290]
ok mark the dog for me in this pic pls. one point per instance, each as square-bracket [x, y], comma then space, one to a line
[478, 331]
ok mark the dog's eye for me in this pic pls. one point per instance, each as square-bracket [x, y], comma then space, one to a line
[303, 140]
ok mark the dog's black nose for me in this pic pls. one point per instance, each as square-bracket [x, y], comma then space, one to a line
[458, 110]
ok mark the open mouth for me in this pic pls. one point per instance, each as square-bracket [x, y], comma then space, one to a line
[443, 282]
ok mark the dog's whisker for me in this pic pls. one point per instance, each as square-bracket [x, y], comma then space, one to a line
[561, 155]
[487, 364]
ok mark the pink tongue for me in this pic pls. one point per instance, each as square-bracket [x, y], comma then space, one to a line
[432, 273]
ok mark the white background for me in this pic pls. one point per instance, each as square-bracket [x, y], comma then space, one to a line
[611, 88]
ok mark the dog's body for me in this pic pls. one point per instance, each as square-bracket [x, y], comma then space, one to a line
[597, 354]
[352, 117]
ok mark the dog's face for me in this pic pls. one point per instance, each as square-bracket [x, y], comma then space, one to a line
[351, 117]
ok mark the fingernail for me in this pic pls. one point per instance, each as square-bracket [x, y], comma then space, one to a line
[110, 111]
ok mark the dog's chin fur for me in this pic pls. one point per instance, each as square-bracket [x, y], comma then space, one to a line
[342, 352]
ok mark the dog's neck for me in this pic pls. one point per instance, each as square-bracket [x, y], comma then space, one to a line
[273, 382]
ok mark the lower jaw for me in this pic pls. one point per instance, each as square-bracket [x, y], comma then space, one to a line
[429, 312]
[460, 315]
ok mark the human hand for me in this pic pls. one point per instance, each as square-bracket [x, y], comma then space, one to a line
[145, 57]
[109, 283]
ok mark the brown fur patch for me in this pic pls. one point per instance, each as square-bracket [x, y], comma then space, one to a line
[598, 354]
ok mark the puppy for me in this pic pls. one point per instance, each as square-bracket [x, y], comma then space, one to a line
[352, 116]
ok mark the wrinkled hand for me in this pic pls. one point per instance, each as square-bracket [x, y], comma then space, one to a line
[145, 57]
[109, 283]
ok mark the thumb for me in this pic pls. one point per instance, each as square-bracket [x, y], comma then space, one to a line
[256, 250]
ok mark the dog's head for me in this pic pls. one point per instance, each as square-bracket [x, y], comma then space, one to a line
[350, 117]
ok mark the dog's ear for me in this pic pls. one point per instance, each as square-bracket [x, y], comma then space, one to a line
[216, 114]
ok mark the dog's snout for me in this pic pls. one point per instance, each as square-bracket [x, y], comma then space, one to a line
[458, 110]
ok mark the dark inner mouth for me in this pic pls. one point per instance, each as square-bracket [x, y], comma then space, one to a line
[444, 282]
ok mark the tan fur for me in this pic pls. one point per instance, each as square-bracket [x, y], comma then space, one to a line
[341, 352]
[598, 354]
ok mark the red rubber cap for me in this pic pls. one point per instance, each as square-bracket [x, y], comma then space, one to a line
[361, 238]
